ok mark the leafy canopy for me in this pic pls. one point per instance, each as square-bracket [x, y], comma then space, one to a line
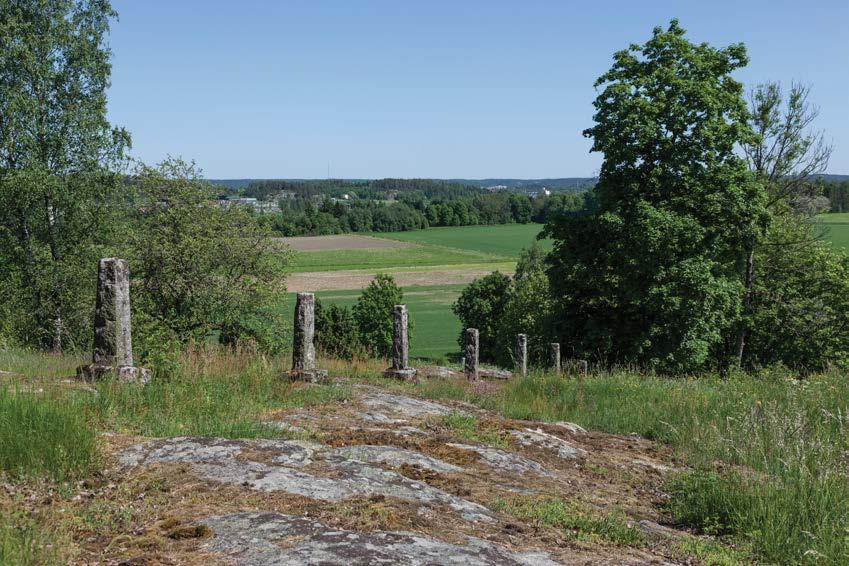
[653, 275]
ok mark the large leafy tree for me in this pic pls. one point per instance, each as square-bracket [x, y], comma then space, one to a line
[58, 161]
[200, 270]
[655, 274]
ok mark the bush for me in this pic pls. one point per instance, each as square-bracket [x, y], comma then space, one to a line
[481, 306]
[336, 332]
[373, 313]
[201, 271]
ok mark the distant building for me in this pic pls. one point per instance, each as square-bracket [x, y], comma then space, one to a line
[496, 188]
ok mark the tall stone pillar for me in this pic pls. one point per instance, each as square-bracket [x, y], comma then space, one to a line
[113, 342]
[522, 354]
[400, 346]
[555, 357]
[472, 354]
[303, 343]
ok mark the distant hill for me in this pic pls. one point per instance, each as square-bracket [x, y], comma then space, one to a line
[558, 184]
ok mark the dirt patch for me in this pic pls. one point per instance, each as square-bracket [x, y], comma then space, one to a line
[359, 279]
[340, 242]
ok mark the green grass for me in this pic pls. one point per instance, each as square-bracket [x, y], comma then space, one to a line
[24, 542]
[435, 327]
[214, 394]
[45, 435]
[768, 454]
[469, 427]
[502, 240]
[834, 218]
[391, 258]
[573, 519]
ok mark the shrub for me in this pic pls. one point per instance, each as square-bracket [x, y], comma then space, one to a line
[481, 306]
[373, 313]
[336, 332]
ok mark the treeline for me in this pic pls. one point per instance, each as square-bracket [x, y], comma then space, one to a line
[415, 211]
[837, 193]
[378, 189]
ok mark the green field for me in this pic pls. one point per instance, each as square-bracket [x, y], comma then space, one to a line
[435, 328]
[503, 240]
[391, 258]
[836, 228]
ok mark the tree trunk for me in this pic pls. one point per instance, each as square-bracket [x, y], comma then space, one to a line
[747, 302]
[56, 256]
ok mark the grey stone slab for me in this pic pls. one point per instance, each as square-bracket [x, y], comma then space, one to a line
[504, 460]
[216, 460]
[541, 439]
[259, 539]
[391, 404]
[392, 456]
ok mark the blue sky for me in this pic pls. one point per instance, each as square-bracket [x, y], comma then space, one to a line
[428, 88]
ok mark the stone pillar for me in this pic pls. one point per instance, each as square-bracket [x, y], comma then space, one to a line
[400, 346]
[113, 343]
[555, 357]
[303, 343]
[522, 354]
[583, 368]
[470, 367]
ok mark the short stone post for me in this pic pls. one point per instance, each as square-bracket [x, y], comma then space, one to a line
[583, 368]
[522, 354]
[303, 344]
[470, 367]
[555, 357]
[113, 343]
[400, 346]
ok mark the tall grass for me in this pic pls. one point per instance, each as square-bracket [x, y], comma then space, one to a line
[769, 455]
[216, 392]
[45, 435]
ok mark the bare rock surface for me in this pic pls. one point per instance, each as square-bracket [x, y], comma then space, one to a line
[334, 479]
[384, 478]
[258, 539]
[391, 456]
[391, 404]
[504, 460]
[540, 439]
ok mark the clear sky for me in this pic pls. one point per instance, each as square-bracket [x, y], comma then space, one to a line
[425, 88]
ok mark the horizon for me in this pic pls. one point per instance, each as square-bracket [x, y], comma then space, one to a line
[476, 91]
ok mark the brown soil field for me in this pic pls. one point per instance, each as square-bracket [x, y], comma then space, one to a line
[342, 280]
[339, 242]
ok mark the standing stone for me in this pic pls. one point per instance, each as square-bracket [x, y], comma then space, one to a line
[583, 367]
[400, 346]
[303, 346]
[470, 367]
[113, 343]
[555, 357]
[522, 354]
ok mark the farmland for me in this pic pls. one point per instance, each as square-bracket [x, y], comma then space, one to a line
[836, 228]
[431, 265]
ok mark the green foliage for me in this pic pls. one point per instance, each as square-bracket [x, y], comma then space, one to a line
[45, 436]
[200, 270]
[800, 300]
[527, 310]
[481, 305]
[578, 521]
[336, 332]
[59, 159]
[373, 313]
[653, 275]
